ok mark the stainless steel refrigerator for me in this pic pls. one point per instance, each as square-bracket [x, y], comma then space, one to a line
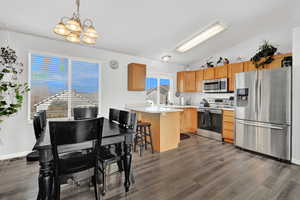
[263, 112]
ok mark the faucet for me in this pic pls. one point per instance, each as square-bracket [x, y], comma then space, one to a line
[150, 101]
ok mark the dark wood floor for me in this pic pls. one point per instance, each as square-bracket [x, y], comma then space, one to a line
[200, 169]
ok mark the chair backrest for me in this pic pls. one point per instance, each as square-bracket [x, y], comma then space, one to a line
[127, 119]
[43, 119]
[37, 127]
[75, 132]
[114, 115]
[85, 112]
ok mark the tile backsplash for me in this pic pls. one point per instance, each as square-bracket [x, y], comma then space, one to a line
[197, 97]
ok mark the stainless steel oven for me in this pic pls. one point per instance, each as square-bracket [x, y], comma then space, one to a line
[215, 86]
[210, 119]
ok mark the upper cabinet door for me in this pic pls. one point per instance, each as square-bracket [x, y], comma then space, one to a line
[209, 74]
[221, 72]
[233, 69]
[249, 66]
[190, 81]
[199, 80]
[136, 77]
[180, 81]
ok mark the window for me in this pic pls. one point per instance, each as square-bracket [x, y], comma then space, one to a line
[151, 89]
[60, 84]
[158, 89]
[164, 91]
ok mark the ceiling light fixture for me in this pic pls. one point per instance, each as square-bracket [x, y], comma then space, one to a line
[204, 35]
[166, 58]
[74, 31]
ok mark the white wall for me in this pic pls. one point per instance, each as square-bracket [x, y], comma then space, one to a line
[296, 97]
[16, 135]
[280, 38]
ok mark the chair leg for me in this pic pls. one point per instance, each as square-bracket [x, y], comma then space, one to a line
[135, 143]
[95, 180]
[145, 137]
[142, 146]
[119, 152]
[56, 188]
[150, 136]
[104, 179]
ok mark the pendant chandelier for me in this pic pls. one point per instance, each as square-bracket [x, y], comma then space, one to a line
[74, 31]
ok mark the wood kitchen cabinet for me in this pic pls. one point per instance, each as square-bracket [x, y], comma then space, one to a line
[221, 72]
[233, 69]
[189, 81]
[199, 80]
[277, 61]
[180, 81]
[228, 126]
[249, 66]
[189, 120]
[186, 81]
[209, 74]
[136, 77]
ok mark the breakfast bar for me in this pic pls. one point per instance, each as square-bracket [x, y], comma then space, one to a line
[165, 125]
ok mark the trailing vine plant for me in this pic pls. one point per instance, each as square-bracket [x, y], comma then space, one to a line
[264, 55]
[11, 90]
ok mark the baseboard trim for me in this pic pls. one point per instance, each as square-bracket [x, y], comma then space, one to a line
[295, 161]
[14, 155]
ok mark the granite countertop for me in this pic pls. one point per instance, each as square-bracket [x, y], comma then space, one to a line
[181, 106]
[232, 108]
[153, 109]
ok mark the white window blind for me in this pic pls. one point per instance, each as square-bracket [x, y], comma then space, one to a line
[51, 89]
[49, 85]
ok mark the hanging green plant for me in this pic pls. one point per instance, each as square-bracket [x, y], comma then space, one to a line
[11, 90]
[264, 55]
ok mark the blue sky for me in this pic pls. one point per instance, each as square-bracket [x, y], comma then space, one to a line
[53, 73]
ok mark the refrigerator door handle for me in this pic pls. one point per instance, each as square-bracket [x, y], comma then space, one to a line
[260, 125]
[260, 82]
[255, 96]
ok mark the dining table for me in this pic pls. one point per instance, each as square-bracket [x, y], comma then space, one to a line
[112, 133]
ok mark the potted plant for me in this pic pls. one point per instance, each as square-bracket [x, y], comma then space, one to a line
[11, 90]
[264, 55]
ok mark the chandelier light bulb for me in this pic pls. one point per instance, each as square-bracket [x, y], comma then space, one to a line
[73, 25]
[61, 29]
[88, 40]
[91, 32]
[72, 37]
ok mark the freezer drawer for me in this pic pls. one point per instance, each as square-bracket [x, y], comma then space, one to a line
[269, 139]
[245, 135]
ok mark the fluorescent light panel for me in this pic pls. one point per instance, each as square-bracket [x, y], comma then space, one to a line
[210, 32]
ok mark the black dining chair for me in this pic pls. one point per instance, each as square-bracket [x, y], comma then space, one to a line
[39, 125]
[83, 136]
[114, 115]
[89, 112]
[123, 119]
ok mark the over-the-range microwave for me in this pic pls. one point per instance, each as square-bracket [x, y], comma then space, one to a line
[215, 85]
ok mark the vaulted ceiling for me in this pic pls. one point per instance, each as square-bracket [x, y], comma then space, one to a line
[154, 28]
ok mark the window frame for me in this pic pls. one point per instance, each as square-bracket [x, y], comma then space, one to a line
[70, 59]
[159, 76]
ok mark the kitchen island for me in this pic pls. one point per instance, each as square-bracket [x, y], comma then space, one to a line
[165, 125]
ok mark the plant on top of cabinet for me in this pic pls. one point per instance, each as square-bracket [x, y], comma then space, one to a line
[264, 55]
[222, 61]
